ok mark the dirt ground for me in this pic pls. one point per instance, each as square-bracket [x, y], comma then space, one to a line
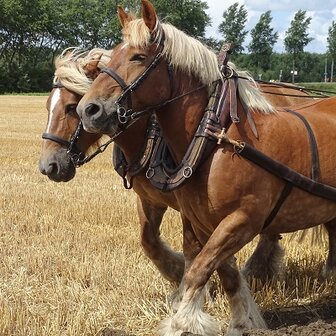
[318, 328]
[311, 320]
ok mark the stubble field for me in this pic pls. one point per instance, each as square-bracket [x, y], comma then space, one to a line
[71, 263]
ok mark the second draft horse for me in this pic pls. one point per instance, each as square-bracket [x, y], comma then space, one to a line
[226, 202]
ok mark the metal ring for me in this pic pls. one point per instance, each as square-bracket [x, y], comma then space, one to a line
[227, 72]
[121, 110]
[150, 172]
[74, 159]
[187, 172]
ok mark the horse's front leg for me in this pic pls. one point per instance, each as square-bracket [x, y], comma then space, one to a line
[169, 263]
[191, 248]
[244, 311]
[229, 237]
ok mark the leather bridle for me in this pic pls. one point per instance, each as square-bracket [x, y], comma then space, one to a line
[78, 157]
[72, 149]
[124, 106]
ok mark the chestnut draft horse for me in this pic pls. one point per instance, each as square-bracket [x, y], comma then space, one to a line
[75, 70]
[74, 73]
[71, 81]
[226, 201]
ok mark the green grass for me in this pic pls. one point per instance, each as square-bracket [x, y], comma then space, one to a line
[320, 86]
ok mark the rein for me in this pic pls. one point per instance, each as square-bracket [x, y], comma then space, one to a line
[318, 93]
[138, 114]
[295, 96]
[296, 87]
[78, 157]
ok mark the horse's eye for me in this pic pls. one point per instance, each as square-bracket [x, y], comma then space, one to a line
[71, 108]
[138, 57]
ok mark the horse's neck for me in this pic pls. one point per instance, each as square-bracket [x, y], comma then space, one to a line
[179, 120]
[132, 141]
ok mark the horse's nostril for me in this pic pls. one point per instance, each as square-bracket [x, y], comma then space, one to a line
[51, 168]
[48, 168]
[92, 109]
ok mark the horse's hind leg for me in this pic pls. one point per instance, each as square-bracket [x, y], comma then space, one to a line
[329, 268]
[266, 260]
[169, 263]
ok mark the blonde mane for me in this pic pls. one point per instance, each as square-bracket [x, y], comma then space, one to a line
[194, 58]
[250, 94]
[69, 70]
[69, 67]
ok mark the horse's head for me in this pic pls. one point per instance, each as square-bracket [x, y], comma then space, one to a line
[136, 77]
[63, 140]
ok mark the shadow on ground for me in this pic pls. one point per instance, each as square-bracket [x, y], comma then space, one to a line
[114, 332]
[301, 315]
[314, 319]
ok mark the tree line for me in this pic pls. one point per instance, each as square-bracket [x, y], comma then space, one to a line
[262, 60]
[33, 32]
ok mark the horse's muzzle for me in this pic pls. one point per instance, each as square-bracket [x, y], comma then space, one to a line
[57, 166]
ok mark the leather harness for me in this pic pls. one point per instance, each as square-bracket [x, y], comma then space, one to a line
[140, 163]
[221, 111]
[162, 172]
[315, 170]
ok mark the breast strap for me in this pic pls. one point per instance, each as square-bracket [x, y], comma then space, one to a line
[140, 163]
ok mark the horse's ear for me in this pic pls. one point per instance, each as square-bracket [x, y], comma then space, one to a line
[149, 14]
[123, 16]
[91, 69]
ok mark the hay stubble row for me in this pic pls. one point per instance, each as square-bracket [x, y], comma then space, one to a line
[71, 263]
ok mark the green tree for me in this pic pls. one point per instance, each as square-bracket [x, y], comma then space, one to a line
[233, 26]
[212, 43]
[331, 39]
[188, 15]
[263, 40]
[24, 35]
[297, 37]
[33, 32]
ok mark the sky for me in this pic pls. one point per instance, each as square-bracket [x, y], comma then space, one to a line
[282, 11]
